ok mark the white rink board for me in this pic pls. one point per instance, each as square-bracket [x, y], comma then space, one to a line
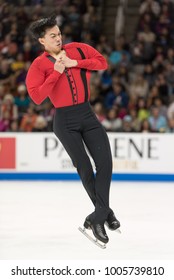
[132, 153]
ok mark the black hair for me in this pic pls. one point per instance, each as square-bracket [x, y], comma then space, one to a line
[39, 27]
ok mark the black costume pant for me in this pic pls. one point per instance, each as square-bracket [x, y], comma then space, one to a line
[76, 127]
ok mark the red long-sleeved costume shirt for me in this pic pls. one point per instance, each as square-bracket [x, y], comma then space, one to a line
[72, 86]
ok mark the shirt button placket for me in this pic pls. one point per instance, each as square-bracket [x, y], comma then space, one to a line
[74, 93]
[74, 90]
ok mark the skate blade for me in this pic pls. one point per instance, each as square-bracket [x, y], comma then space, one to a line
[95, 241]
[118, 230]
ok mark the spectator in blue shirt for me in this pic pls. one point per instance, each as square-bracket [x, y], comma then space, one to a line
[158, 123]
[117, 97]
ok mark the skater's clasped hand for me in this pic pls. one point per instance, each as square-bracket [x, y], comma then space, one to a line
[59, 66]
[68, 62]
[64, 62]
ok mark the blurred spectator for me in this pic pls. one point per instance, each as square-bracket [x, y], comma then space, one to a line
[112, 122]
[18, 63]
[99, 111]
[14, 126]
[162, 23]
[137, 53]
[2, 93]
[149, 75]
[103, 45]
[139, 86]
[117, 52]
[5, 72]
[169, 77]
[127, 125]
[28, 120]
[22, 100]
[158, 63]
[40, 124]
[162, 108]
[145, 126]
[170, 55]
[95, 96]
[157, 122]
[5, 121]
[153, 93]
[27, 50]
[144, 20]
[163, 89]
[147, 36]
[132, 102]
[117, 96]
[136, 123]
[106, 79]
[49, 115]
[142, 110]
[9, 108]
[9, 48]
[20, 75]
[150, 6]
[170, 125]
[170, 110]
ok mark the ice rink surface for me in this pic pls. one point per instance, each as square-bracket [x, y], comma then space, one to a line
[40, 220]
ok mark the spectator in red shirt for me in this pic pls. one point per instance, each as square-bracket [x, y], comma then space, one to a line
[62, 73]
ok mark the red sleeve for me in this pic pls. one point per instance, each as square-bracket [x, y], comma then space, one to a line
[38, 85]
[93, 61]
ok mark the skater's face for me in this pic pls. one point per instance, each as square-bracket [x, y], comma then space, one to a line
[52, 40]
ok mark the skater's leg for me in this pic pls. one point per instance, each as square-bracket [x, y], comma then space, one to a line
[97, 142]
[98, 145]
[71, 128]
[73, 144]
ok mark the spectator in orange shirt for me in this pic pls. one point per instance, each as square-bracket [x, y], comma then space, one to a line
[28, 121]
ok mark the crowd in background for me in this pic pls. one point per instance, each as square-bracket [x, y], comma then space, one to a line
[135, 93]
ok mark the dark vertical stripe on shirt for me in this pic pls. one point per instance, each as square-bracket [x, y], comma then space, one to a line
[83, 76]
[51, 58]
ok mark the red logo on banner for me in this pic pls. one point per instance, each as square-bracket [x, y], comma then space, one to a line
[7, 153]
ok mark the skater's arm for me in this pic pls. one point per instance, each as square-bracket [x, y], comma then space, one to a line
[91, 59]
[38, 85]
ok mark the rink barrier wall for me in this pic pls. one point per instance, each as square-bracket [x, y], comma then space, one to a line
[40, 156]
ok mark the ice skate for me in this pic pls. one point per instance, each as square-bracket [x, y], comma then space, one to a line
[98, 231]
[112, 223]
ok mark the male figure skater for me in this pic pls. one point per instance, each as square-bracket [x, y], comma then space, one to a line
[62, 73]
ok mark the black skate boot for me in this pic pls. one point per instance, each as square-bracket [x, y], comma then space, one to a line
[111, 222]
[97, 229]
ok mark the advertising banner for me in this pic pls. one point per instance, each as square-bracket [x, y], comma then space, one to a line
[147, 153]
